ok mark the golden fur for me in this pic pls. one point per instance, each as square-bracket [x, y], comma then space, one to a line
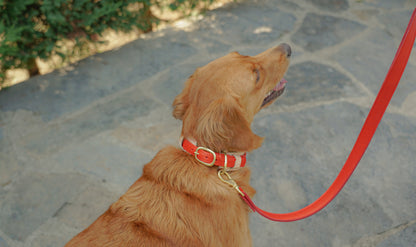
[177, 201]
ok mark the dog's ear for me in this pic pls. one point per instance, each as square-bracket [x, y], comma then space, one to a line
[223, 127]
[181, 102]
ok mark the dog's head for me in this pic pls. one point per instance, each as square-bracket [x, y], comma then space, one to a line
[219, 100]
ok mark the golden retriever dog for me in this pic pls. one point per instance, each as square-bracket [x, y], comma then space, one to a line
[180, 200]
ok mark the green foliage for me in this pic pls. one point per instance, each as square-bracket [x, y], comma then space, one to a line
[184, 5]
[31, 29]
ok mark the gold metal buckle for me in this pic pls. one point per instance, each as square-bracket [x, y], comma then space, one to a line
[209, 151]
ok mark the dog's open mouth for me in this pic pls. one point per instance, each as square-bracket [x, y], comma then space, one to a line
[275, 92]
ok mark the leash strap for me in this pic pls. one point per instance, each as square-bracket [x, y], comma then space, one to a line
[369, 128]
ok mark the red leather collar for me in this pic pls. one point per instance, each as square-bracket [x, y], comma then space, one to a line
[210, 158]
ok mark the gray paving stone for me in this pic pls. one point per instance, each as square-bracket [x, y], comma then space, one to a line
[403, 238]
[331, 5]
[9, 167]
[48, 240]
[87, 206]
[52, 233]
[3, 243]
[253, 50]
[206, 44]
[395, 25]
[313, 82]
[151, 133]
[245, 25]
[387, 4]
[33, 199]
[301, 156]
[9, 164]
[101, 117]
[375, 51]
[302, 141]
[93, 78]
[103, 159]
[321, 31]
[276, 4]
[363, 13]
[387, 168]
[171, 83]
[73, 141]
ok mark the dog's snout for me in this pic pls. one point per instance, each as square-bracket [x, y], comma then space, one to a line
[285, 47]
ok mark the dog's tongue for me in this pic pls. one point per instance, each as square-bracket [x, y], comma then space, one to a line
[280, 85]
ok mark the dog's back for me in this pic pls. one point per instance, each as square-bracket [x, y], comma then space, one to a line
[174, 203]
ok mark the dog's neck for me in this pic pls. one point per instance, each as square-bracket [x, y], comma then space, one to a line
[210, 158]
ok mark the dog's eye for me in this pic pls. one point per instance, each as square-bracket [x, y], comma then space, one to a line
[257, 75]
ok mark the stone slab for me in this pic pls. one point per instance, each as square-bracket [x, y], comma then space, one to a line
[103, 159]
[375, 51]
[51, 234]
[95, 77]
[246, 24]
[34, 199]
[171, 82]
[395, 23]
[310, 82]
[85, 132]
[279, 4]
[3, 243]
[322, 31]
[387, 4]
[100, 117]
[403, 238]
[331, 5]
[86, 207]
[9, 165]
[301, 156]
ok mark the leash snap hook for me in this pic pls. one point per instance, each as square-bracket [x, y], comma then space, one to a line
[224, 176]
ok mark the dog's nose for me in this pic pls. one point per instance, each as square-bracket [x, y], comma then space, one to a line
[285, 47]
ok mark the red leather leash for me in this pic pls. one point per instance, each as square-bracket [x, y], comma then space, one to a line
[369, 128]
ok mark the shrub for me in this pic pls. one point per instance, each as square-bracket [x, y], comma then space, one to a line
[31, 29]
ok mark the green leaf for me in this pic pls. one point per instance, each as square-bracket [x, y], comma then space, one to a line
[32, 28]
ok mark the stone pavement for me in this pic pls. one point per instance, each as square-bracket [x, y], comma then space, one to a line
[71, 142]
